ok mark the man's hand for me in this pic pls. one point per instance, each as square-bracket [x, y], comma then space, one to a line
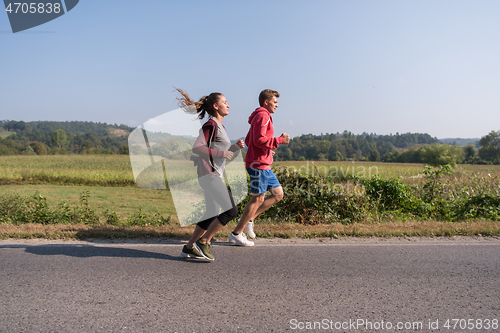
[286, 138]
[273, 152]
[228, 155]
[240, 144]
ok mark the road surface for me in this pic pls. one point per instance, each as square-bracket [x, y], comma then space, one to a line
[347, 285]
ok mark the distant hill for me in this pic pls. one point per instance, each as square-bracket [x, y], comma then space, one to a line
[19, 137]
[83, 137]
[460, 141]
[70, 127]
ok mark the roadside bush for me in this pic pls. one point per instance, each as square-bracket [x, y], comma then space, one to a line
[438, 193]
[393, 194]
[481, 206]
[18, 209]
[312, 200]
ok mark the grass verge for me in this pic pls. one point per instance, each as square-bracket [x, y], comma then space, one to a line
[267, 230]
[125, 201]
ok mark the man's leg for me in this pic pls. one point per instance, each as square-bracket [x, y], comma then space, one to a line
[275, 197]
[258, 192]
[258, 206]
[250, 210]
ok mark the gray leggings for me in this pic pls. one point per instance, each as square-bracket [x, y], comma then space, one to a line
[217, 196]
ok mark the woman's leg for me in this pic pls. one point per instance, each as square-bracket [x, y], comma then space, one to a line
[216, 195]
[211, 209]
[197, 233]
[214, 227]
[224, 218]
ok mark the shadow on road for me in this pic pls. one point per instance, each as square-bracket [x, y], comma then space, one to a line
[87, 251]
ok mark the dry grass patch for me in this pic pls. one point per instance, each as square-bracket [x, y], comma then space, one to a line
[119, 132]
[388, 229]
[82, 231]
[285, 230]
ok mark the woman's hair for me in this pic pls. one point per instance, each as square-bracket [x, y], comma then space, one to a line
[203, 106]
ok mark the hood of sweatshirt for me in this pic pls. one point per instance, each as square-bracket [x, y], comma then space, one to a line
[257, 111]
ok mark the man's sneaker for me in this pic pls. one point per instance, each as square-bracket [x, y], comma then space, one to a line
[240, 240]
[205, 249]
[249, 229]
[191, 253]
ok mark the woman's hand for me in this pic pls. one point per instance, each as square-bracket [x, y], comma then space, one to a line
[228, 155]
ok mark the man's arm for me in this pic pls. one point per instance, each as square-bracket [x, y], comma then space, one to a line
[259, 134]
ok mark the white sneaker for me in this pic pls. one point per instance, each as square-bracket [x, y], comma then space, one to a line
[240, 240]
[249, 229]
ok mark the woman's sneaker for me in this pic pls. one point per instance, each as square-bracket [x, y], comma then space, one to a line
[240, 240]
[249, 229]
[205, 249]
[191, 253]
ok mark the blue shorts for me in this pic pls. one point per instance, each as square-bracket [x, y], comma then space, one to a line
[262, 180]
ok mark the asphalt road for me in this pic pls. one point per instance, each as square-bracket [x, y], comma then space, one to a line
[276, 286]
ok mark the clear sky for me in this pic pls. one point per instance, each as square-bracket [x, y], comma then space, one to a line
[363, 66]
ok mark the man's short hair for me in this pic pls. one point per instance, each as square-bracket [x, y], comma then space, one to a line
[267, 95]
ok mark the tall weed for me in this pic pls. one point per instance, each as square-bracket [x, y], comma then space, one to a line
[18, 209]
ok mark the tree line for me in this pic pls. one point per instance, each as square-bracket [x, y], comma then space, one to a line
[401, 148]
[78, 137]
[50, 137]
[99, 129]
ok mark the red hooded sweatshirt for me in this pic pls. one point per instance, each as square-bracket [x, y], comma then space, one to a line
[260, 140]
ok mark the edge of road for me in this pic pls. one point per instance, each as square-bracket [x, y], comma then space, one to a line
[320, 241]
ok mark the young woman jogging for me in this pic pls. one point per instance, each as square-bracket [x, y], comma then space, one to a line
[213, 148]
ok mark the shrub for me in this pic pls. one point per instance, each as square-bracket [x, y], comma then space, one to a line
[312, 199]
[393, 194]
[438, 154]
[17, 209]
[481, 206]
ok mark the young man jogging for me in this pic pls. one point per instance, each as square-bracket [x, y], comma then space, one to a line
[261, 142]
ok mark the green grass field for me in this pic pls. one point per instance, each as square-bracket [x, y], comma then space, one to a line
[110, 183]
[404, 171]
[125, 201]
[115, 170]
[103, 170]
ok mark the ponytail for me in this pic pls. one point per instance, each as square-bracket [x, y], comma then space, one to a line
[202, 107]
